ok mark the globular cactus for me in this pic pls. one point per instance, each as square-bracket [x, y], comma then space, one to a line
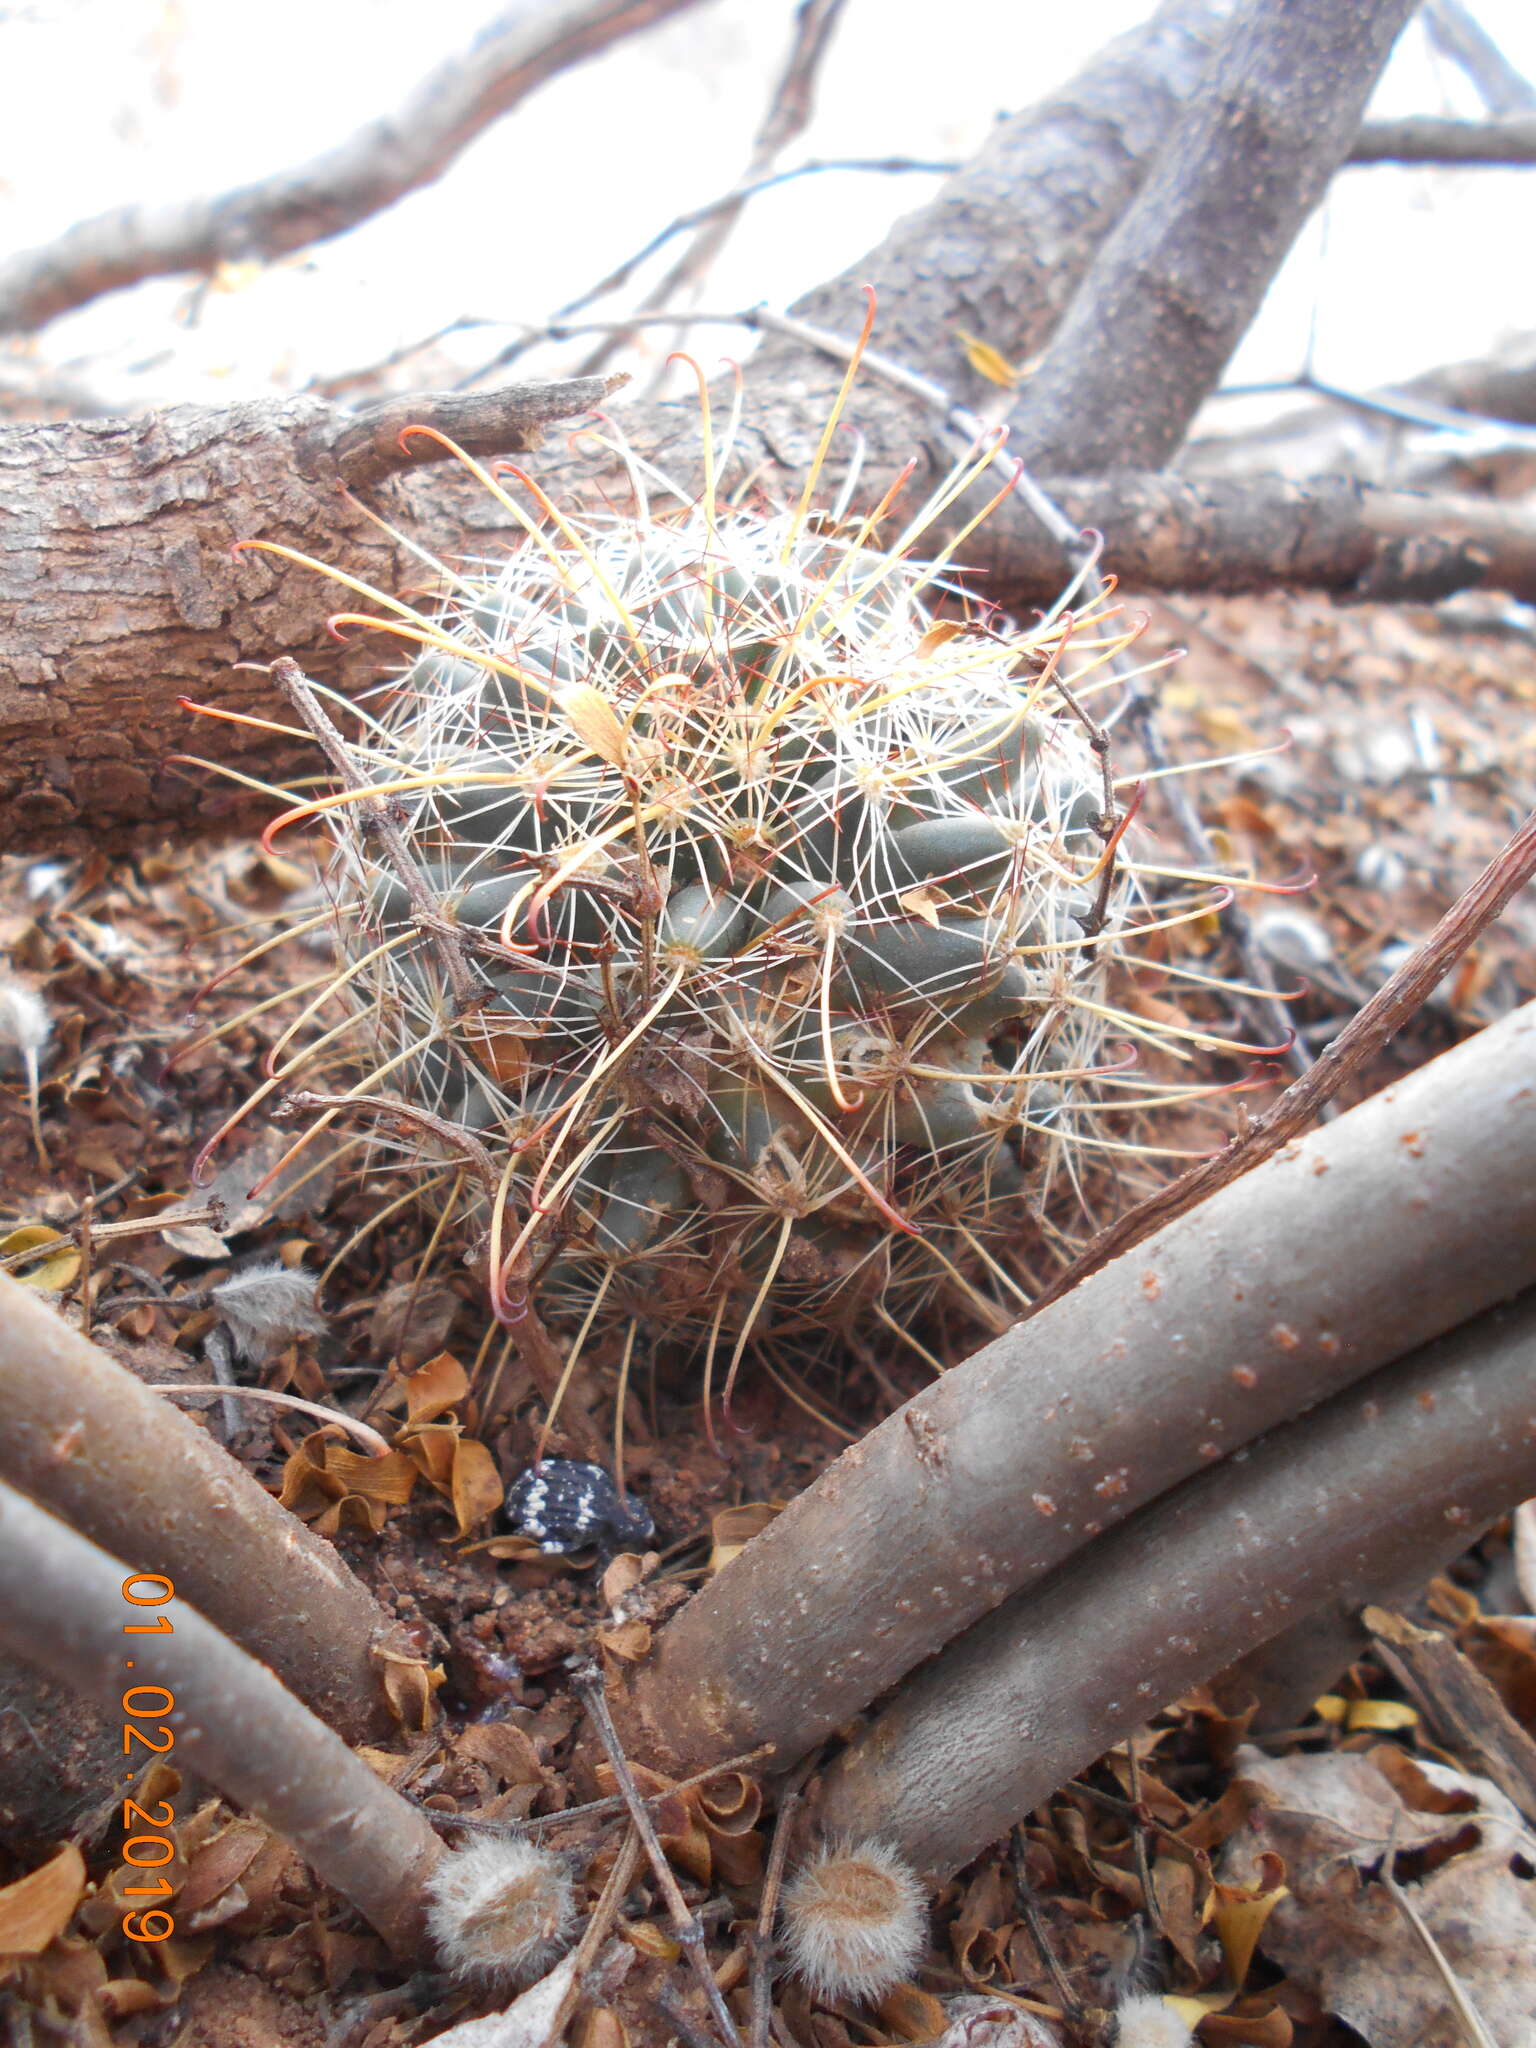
[732, 904]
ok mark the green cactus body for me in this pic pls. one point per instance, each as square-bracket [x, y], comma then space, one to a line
[777, 899]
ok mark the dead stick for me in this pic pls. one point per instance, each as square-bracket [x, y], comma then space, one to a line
[587, 1682]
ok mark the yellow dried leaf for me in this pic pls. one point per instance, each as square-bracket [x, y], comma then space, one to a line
[1239, 1916]
[37, 1908]
[52, 1274]
[1329, 1707]
[477, 1488]
[1225, 727]
[987, 361]
[925, 903]
[433, 1387]
[1390, 1715]
[593, 719]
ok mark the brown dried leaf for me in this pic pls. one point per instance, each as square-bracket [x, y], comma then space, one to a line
[37, 1908]
[475, 1487]
[912, 2015]
[732, 1529]
[629, 1641]
[434, 1388]
[593, 719]
[504, 1749]
[1342, 1937]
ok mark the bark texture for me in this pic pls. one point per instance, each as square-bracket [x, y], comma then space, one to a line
[231, 1721]
[1401, 1472]
[1182, 275]
[135, 1475]
[1227, 1322]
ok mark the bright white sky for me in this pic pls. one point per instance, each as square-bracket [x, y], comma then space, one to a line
[114, 100]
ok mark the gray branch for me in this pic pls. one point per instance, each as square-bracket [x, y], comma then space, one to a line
[378, 165]
[1175, 286]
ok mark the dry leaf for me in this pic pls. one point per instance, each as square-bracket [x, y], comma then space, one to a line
[987, 361]
[434, 1387]
[732, 1529]
[37, 1908]
[327, 1485]
[1240, 1912]
[912, 2015]
[52, 1274]
[475, 1487]
[1341, 1936]
[595, 722]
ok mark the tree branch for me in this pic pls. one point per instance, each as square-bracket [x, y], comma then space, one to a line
[1176, 285]
[378, 165]
[1425, 139]
[96, 1446]
[1467, 43]
[1390, 1480]
[62, 1607]
[1230, 1320]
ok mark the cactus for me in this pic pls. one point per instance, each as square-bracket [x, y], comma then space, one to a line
[732, 903]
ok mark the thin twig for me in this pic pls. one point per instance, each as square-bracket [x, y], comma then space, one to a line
[789, 109]
[587, 1683]
[1071, 2005]
[764, 1944]
[369, 1438]
[1467, 2015]
[1362, 1038]
[595, 1933]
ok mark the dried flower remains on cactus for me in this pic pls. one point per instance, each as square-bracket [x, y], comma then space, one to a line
[728, 906]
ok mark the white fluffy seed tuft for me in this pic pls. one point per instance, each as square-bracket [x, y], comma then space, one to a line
[1146, 2022]
[855, 1921]
[267, 1308]
[501, 1910]
[25, 1027]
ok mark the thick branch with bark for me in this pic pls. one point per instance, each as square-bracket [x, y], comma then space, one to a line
[62, 1607]
[1181, 277]
[390, 157]
[1228, 1321]
[1390, 1480]
[98, 1447]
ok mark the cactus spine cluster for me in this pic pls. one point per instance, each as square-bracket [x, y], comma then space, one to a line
[731, 904]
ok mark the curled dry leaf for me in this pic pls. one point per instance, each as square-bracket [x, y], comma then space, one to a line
[434, 1388]
[333, 1488]
[1459, 1849]
[732, 1529]
[37, 1908]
